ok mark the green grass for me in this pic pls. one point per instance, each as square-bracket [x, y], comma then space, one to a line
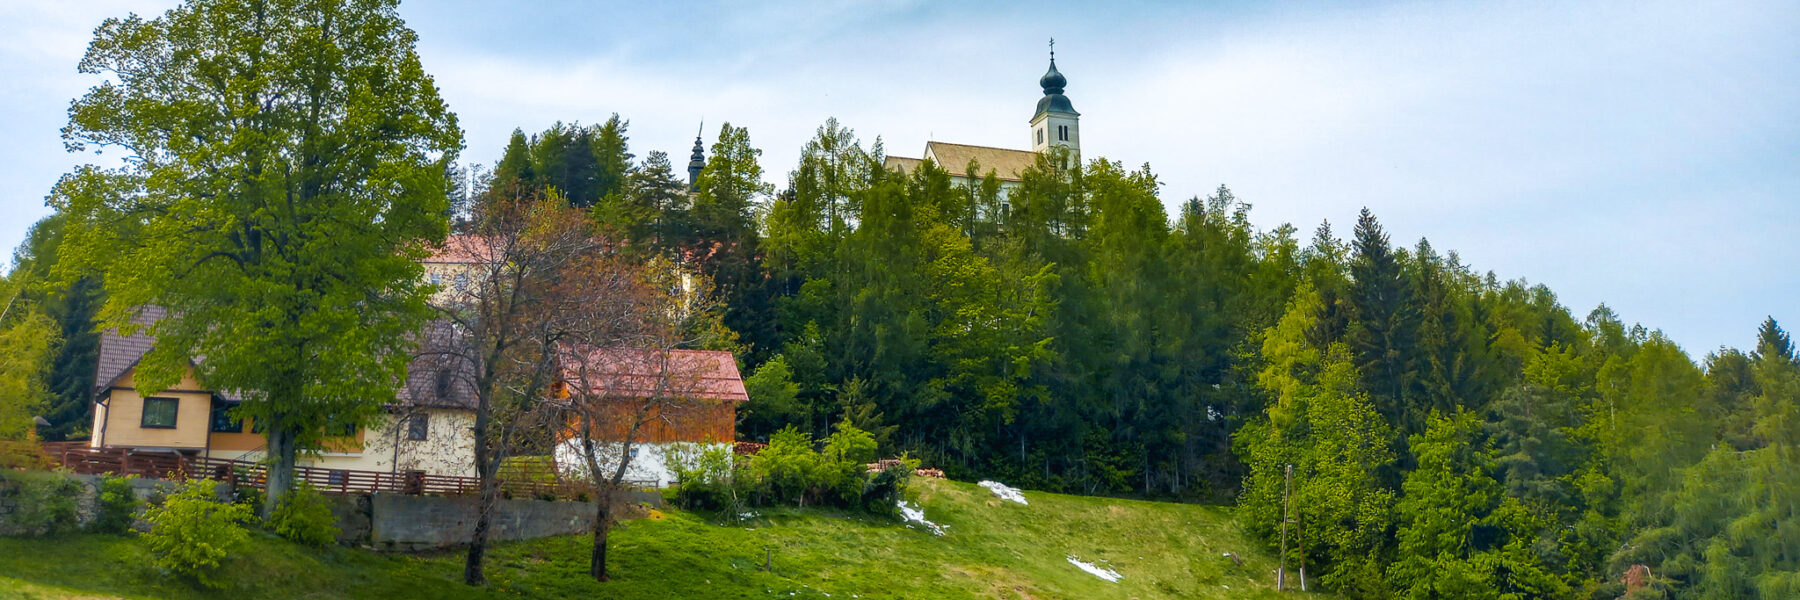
[992, 549]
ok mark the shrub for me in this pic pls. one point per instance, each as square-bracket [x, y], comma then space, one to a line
[787, 468]
[304, 516]
[882, 494]
[23, 454]
[704, 477]
[44, 502]
[192, 531]
[116, 506]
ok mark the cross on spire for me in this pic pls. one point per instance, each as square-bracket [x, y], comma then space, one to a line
[1052, 48]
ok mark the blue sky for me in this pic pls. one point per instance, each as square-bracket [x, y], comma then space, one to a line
[1641, 154]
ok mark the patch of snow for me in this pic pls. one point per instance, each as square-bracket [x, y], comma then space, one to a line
[1005, 492]
[917, 515]
[1092, 569]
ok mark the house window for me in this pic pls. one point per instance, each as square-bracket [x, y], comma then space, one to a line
[442, 385]
[462, 281]
[222, 421]
[418, 428]
[337, 477]
[436, 278]
[337, 428]
[159, 413]
[634, 452]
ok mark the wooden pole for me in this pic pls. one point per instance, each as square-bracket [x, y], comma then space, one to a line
[1281, 571]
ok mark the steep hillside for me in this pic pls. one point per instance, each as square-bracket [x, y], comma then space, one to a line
[990, 548]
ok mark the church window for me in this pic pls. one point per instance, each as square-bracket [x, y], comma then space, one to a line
[1040, 136]
[1062, 133]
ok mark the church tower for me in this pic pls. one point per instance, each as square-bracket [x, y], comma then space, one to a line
[1056, 122]
[696, 161]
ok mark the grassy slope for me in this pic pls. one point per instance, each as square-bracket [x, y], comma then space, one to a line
[992, 549]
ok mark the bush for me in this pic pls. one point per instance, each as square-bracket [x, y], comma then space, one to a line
[304, 517]
[704, 477]
[116, 507]
[882, 494]
[44, 502]
[789, 471]
[192, 531]
[786, 469]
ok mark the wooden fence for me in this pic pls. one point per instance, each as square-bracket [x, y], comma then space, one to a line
[533, 481]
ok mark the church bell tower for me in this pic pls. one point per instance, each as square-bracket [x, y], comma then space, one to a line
[1056, 123]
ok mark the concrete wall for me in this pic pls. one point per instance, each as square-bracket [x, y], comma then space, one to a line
[394, 522]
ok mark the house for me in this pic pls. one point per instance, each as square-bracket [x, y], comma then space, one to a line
[426, 429]
[663, 401]
[1054, 126]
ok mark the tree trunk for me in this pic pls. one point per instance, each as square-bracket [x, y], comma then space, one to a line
[602, 527]
[484, 520]
[280, 471]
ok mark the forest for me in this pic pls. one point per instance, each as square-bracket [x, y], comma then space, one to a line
[1449, 433]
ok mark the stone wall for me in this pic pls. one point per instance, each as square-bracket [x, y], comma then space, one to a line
[392, 522]
[395, 522]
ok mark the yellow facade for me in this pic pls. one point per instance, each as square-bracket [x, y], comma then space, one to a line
[118, 423]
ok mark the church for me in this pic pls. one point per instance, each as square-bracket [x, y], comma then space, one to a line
[1054, 125]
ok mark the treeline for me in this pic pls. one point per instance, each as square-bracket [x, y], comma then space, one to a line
[1450, 434]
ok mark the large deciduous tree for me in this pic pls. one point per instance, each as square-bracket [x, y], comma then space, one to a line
[284, 172]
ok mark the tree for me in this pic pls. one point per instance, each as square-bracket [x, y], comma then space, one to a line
[624, 372]
[72, 305]
[28, 339]
[284, 175]
[529, 276]
[1772, 340]
[727, 247]
[514, 171]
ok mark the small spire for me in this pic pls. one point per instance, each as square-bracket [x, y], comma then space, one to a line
[697, 161]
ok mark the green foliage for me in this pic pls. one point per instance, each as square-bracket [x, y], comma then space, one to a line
[116, 505]
[28, 340]
[774, 399]
[284, 247]
[192, 532]
[44, 503]
[706, 479]
[304, 517]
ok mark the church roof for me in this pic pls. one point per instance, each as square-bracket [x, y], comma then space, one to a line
[1006, 163]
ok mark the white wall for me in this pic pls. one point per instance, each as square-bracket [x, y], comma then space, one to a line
[652, 462]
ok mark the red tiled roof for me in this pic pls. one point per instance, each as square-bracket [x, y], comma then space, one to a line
[644, 373]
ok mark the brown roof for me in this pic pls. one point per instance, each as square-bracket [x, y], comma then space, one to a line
[901, 163]
[1007, 164]
[119, 353]
[441, 373]
[644, 373]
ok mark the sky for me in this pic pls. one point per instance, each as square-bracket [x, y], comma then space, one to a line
[1645, 155]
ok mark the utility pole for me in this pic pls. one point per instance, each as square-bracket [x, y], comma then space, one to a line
[1281, 571]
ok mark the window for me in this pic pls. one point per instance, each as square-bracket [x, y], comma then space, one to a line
[1040, 136]
[1062, 133]
[418, 428]
[462, 281]
[337, 477]
[436, 278]
[222, 422]
[442, 385]
[336, 428]
[159, 413]
[634, 452]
